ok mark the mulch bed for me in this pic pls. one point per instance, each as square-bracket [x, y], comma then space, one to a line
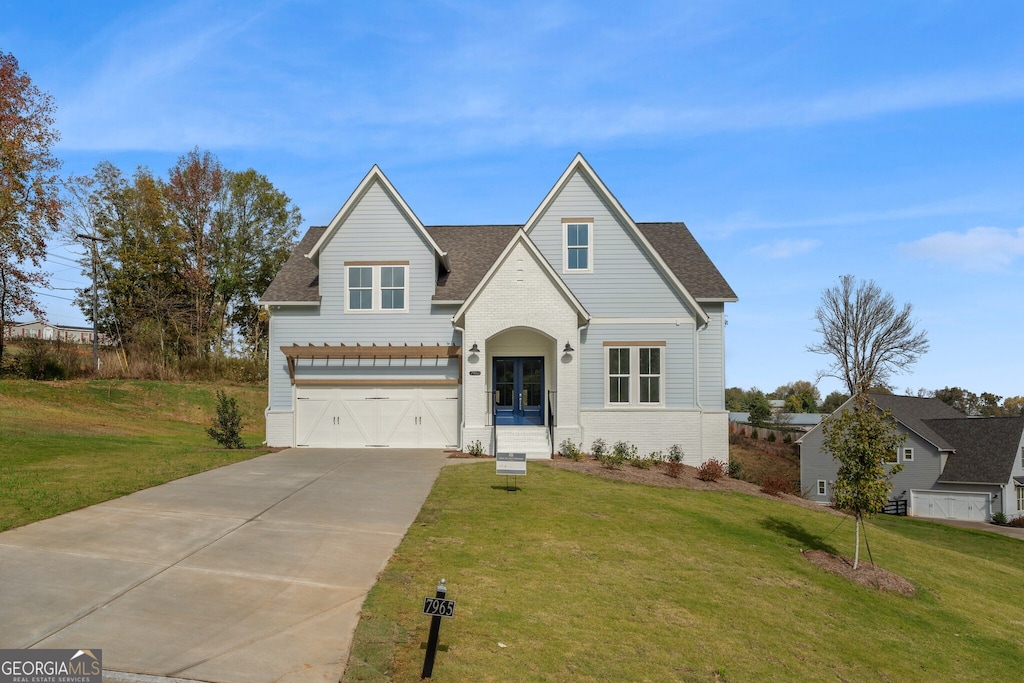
[866, 574]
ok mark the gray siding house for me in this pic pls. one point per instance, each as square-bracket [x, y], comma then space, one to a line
[954, 467]
[578, 324]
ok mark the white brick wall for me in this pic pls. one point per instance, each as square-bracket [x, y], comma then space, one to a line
[649, 430]
[279, 428]
[520, 295]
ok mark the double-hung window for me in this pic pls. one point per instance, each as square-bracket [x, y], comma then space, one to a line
[634, 373]
[376, 286]
[578, 234]
[1020, 498]
[822, 487]
[908, 455]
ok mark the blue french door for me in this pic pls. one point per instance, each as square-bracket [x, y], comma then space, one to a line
[518, 391]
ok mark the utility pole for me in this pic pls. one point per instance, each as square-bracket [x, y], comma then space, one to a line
[95, 334]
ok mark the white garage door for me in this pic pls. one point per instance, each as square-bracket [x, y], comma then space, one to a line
[974, 507]
[393, 416]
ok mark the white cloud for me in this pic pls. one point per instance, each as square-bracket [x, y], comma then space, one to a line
[980, 248]
[783, 249]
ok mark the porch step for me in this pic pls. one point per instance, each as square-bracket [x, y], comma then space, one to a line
[530, 440]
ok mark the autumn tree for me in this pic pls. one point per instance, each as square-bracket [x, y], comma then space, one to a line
[862, 440]
[30, 200]
[257, 228]
[868, 338]
[800, 396]
[833, 402]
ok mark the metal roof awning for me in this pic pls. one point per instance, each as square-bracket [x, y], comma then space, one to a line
[1019, 480]
[358, 352]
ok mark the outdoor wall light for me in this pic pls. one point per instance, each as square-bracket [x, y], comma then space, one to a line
[474, 348]
[568, 348]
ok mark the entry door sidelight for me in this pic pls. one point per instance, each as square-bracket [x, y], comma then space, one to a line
[518, 391]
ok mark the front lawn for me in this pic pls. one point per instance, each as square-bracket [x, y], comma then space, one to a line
[66, 445]
[578, 578]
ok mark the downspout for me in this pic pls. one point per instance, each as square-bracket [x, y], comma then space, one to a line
[696, 383]
[462, 387]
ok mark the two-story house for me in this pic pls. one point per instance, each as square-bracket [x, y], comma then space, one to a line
[578, 324]
[954, 466]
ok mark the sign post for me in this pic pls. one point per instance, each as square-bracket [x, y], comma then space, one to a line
[510, 464]
[436, 607]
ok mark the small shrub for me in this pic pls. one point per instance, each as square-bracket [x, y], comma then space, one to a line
[674, 464]
[570, 450]
[999, 518]
[753, 434]
[735, 468]
[711, 470]
[476, 448]
[775, 485]
[613, 459]
[599, 448]
[788, 438]
[771, 437]
[227, 425]
[1016, 521]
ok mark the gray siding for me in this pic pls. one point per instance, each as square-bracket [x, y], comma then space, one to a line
[816, 464]
[712, 359]
[678, 372]
[623, 283]
[375, 230]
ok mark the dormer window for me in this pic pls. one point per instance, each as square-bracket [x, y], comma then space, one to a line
[578, 235]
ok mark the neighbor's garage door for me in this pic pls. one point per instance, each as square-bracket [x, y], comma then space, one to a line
[974, 507]
[394, 416]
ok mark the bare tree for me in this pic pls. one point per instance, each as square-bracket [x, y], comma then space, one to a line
[867, 337]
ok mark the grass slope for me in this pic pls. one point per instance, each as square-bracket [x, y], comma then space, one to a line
[66, 445]
[585, 579]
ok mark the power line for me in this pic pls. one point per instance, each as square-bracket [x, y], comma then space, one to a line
[54, 296]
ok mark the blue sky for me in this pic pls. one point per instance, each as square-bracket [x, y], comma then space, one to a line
[798, 141]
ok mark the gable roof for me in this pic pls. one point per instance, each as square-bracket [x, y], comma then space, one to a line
[580, 165]
[472, 249]
[522, 238]
[911, 412]
[986, 448]
[298, 281]
[375, 175]
[688, 261]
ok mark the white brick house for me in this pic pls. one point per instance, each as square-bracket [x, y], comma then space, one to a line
[579, 324]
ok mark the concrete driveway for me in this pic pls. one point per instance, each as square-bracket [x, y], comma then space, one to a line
[252, 572]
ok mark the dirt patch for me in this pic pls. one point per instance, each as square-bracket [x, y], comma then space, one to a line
[866, 574]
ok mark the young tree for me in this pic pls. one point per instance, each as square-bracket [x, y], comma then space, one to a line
[867, 337]
[30, 201]
[759, 408]
[862, 440]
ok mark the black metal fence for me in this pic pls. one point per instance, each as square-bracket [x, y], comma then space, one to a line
[896, 507]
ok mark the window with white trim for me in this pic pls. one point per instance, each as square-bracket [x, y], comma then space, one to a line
[822, 487]
[635, 371]
[1020, 498]
[376, 287]
[891, 458]
[908, 455]
[578, 240]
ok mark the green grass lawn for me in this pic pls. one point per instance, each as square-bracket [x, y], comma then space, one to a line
[585, 579]
[66, 445]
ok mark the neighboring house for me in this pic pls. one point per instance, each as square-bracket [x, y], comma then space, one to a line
[579, 324]
[38, 329]
[954, 467]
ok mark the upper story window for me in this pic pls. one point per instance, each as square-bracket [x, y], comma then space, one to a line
[891, 458]
[578, 234]
[908, 455]
[634, 371]
[376, 286]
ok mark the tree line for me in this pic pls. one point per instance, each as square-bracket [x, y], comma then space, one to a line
[182, 260]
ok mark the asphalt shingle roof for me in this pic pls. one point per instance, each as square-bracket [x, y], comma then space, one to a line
[986, 448]
[299, 278]
[472, 249]
[913, 412]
